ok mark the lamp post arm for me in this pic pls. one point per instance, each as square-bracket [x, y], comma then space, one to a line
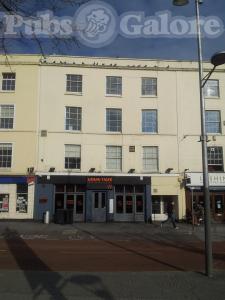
[207, 77]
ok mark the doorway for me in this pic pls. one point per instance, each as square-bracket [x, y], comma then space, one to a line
[99, 206]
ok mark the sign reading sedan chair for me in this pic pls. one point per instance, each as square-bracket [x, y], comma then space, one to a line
[104, 183]
[196, 179]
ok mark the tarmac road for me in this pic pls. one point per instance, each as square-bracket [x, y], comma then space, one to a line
[114, 261]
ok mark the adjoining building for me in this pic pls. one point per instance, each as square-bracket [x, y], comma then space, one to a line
[108, 139]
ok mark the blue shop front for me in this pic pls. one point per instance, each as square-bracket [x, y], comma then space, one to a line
[94, 198]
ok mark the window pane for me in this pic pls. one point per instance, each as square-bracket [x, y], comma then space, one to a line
[149, 86]
[6, 116]
[113, 85]
[211, 88]
[73, 118]
[74, 83]
[213, 123]
[72, 157]
[156, 205]
[80, 204]
[215, 158]
[113, 120]
[5, 155]
[114, 158]
[119, 204]
[149, 121]
[150, 159]
[8, 81]
[129, 204]
[4, 202]
[139, 204]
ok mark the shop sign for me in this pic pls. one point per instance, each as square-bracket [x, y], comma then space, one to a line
[99, 183]
[196, 179]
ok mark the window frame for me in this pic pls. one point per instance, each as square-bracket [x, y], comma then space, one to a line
[108, 120]
[2, 80]
[65, 119]
[110, 89]
[107, 158]
[156, 87]
[218, 89]
[7, 168]
[14, 114]
[69, 168]
[215, 122]
[144, 160]
[79, 93]
[142, 120]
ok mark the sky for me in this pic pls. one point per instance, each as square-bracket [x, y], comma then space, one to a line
[147, 48]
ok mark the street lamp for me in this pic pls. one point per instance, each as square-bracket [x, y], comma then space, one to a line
[216, 60]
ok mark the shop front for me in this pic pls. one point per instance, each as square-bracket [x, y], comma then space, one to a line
[16, 197]
[195, 197]
[94, 198]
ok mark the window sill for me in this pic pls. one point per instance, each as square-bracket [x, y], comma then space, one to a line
[73, 94]
[72, 131]
[7, 92]
[113, 96]
[150, 133]
[72, 170]
[114, 132]
[6, 129]
[149, 96]
[211, 97]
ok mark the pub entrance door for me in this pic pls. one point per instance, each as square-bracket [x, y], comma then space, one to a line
[99, 206]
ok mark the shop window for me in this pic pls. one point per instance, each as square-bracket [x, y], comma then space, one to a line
[119, 204]
[70, 188]
[139, 204]
[129, 189]
[80, 188]
[59, 188]
[22, 198]
[59, 201]
[129, 204]
[4, 202]
[139, 189]
[70, 201]
[96, 200]
[156, 205]
[103, 200]
[80, 204]
[119, 188]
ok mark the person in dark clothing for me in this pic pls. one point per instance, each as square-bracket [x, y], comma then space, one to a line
[170, 215]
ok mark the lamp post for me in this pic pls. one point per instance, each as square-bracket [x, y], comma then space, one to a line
[216, 60]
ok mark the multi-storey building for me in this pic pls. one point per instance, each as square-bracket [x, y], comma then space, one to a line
[109, 139]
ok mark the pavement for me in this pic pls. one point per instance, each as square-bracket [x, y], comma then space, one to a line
[108, 261]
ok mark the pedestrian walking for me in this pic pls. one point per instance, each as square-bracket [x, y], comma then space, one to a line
[171, 216]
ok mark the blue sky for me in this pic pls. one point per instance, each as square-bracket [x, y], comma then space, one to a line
[157, 48]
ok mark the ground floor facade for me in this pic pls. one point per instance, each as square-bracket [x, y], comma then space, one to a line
[108, 197]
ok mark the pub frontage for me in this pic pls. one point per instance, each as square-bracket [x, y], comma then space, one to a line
[195, 197]
[94, 197]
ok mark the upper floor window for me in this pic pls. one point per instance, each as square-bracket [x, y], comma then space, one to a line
[114, 158]
[215, 158]
[114, 85]
[73, 118]
[114, 120]
[8, 81]
[149, 86]
[6, 116]
[74, 83]
[5, 155]
[72, 156]
[213, 121]
[211, 88]
[149, 121]
[150, 159]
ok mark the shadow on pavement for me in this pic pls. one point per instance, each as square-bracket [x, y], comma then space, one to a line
[42, 279]
[114, 244]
